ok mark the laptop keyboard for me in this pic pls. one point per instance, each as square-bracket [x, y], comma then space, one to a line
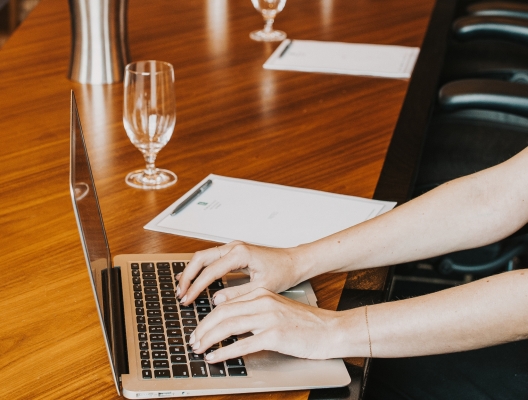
[164, 326]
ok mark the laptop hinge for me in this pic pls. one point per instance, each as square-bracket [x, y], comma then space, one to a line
[119, 346]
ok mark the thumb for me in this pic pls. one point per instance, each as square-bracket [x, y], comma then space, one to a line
[232, 293]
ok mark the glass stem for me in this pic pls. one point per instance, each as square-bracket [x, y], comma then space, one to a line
[150, 158]
[268, 26]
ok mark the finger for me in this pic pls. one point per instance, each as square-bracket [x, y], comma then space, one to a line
[199, 260]
[225, 319]
[240, 348]
[233, 292]
[232, 260]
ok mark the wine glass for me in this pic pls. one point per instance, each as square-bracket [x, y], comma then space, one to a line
[269, 9]
[149, 116]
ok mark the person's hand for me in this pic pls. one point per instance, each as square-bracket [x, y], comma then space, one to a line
[277, 323]
[273, 269]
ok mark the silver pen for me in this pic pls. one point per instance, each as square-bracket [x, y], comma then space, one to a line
[193, 196]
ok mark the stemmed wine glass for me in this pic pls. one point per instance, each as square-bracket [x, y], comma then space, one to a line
[269, 9]
[149, 116]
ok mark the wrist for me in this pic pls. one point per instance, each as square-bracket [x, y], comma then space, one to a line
[303, 263]
[349, 334]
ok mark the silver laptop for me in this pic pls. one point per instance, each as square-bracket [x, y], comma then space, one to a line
[146, 329]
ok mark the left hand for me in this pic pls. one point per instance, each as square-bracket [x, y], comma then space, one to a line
[277, 323]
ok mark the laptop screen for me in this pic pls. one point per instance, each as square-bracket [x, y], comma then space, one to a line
[91, 228]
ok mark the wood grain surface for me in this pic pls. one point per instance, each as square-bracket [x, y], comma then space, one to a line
[324, 132]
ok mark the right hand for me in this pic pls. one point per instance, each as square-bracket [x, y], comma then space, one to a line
[269, 268]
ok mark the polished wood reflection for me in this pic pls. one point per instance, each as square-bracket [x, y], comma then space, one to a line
[324, 132]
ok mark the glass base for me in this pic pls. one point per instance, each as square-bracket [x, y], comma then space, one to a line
[272, 36]
[161, 179]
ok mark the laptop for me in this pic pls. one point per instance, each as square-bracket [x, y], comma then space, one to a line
[145, 328]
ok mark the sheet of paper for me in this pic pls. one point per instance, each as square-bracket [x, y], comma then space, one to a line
[344, 58]
[263, 213]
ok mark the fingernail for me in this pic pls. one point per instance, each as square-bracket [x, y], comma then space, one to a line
[191, 338]
[210, 356]
[183, 299]
[179, 276]
[178, 291]
[219, 299]
[196, 345]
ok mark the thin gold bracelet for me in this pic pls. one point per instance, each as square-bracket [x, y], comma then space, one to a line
[368, 331]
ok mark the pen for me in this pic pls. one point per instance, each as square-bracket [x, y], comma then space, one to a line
[193, 196]
[286, 49]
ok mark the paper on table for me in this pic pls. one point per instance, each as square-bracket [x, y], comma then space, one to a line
[264, 213]
[344, 58]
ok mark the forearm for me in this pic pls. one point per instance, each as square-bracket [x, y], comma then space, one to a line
[465, 213]
[482, 313]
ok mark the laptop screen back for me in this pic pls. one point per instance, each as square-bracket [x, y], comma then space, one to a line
[91, 228]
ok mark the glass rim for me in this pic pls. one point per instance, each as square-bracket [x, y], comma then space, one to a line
[130, 68]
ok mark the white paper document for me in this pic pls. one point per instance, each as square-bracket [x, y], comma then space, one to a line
[344, 58]
[264, 213]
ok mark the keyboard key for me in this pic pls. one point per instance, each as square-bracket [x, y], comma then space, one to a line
[142, 328]
[150, 282]
[201, 316]
[164, 272]
[202, 302]
[160, 355]
[188, 330]
[145, 364]
[138, 295]
[153, 313]
[198, 369]
[142, 337]
[140, 311]
[180, 371]
[195, 357]
[156, 329]
[168, 301]
[189, 322]
[178, 359]
[166, 286]
[170, 309]
[163, 265]
[165, 279]
[178, 267]
[228, 341]
[237, 371]
[136, 280]
[158, 346]
[153, 304]
[171, 316]
[217, 369]
[155, 321]
[140, 319]
[143, 345]
[147, 374]
[152, 297]
[137, 288]
[216, 285]
[172, 324]
[157, 337]
[174, 333]
[144, 355]
[162, 373]
[138, 303]
[188, 314]
[175, 341]
[149, 275]
[159, 364]
[203, 295]
[135, 272]
[189, 307]
[151, 290]
[134, 265]
[203, 309]
[168, 293]
[235, 362]
[147, 267]
[176, 350]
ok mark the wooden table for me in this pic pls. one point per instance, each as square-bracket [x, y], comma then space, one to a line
[324, 132]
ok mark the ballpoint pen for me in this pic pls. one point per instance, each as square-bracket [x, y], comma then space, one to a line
[193, 196]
